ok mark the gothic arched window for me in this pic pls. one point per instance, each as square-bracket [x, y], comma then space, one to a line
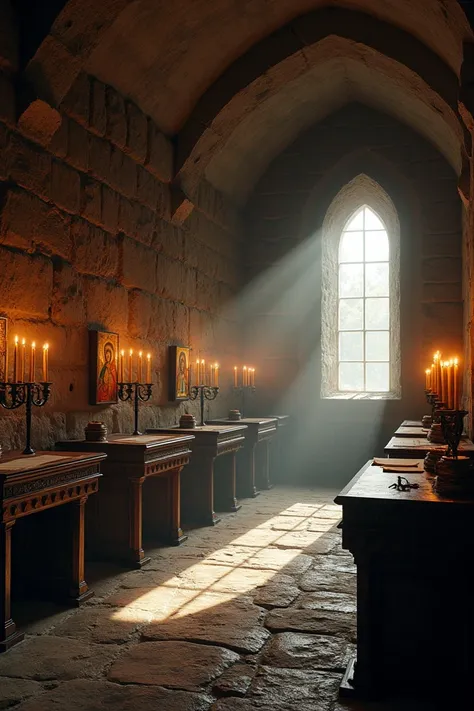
[360, 319]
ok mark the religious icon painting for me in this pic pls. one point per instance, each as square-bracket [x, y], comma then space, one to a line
[3, 350]
[103, 367]
[179, 372]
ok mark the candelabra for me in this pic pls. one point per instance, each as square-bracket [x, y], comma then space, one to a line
[204, 392]
[454, 473]
[244, 389]
[139, 392]
[14, 395]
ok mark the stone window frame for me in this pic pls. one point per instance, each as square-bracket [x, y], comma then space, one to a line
[359, 192]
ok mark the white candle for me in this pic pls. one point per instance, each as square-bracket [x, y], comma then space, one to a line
[216, 374]
[22, 360]
[140, 363]
[32, 363]
[130, 366]
[15, 361]
[45, 362]
[148, 368]
[122, 355]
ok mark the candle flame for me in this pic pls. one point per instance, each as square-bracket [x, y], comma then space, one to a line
[16, 340]
[427, 371]
[148, 355]
[216, 365]
[46, 346]
[245, 367]
[33, 345]
[131, 351]
[140, 354]
[456, 361]
[122, 353]
[23, 341]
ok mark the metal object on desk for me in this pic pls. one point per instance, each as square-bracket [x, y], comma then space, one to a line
[139, 392]
[14, 395]
[204, 392]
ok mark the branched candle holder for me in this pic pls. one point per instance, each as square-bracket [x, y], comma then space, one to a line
[244, 389]
[139, 392]
[14, 395]
[453, 472]
[452, 426]
[204, 392]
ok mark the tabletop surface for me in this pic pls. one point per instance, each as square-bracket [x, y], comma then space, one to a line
[17, 462]
[122, 440]
[421, 444]
[202, 429]
[246, 421]
[371, 483]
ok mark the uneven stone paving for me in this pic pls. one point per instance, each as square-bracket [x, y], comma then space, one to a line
[256, 613]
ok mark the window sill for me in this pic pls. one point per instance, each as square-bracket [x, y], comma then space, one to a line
[362, 396]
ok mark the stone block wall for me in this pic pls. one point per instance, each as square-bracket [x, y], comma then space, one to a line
[87, 241]
[284, 221]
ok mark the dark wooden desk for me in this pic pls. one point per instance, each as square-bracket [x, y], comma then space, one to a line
[35, 483]
[280, 447]
[121, 514]
[418, 447]
[415, 572]
[205, 485]
[411, 431]
[253, 472]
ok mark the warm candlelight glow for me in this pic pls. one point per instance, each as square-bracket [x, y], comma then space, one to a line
[22, 360]
[235, 377]
[122, 356]
[216, 375]
[15, 361]
[203, 373]
[148, 367]
[455, 384]
[130, 374]
[45, 362]
[32, 363]
[140, 363]
[244, 376]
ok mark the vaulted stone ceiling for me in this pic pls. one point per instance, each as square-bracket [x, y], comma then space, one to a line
[235, 81]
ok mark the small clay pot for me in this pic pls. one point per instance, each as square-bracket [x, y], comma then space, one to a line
[235, 415]
[187, 421]
[426, 422]
[435, 435]
[95, 432]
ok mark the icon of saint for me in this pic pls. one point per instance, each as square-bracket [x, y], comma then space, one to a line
[182, 376]
[107, 383]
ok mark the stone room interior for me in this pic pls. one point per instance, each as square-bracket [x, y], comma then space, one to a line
[236, 423]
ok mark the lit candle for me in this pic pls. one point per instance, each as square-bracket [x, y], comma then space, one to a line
[45, 362]
[235, 377]
[190, 376]
[15, 361]
[244, 376]
[148, 368]
[455, 385]
[203, 372]
[441, 392]
[427, 379]
[22, 360]
[130, 366]
[253, 378]
[32, 363]
[140, 363]
[212, 375]
[216, 374]
[450, 385]
[122, 356]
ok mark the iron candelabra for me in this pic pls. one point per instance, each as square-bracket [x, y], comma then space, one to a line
[138, 392]
[14, 395]
[204, 392]
[244, 389]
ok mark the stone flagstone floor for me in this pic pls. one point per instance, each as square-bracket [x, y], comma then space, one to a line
[256, 613]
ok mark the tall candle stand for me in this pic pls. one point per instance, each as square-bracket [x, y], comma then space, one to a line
[453, 472]
[139, 392]
[244, 389]
[14, 395]
[204, 392]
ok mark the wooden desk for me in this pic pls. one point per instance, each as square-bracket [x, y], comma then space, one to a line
[411, 431]
[418, 447]
[252, 472]
[280, 447]
[29, 485]
[121, 514]
[414, 553]
[204, 485]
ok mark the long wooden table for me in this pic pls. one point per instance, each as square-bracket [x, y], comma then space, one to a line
[253, 471]
[209, 481]
[418, 447]
[30, 484]
[414, 552]
[122, 514]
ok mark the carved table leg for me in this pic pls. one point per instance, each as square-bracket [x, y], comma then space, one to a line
[198, 492]
[8, 634]
[225, 468]
[246, 472]
[264, 468]
[174, 506]
[136, 553]
[79, 590]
